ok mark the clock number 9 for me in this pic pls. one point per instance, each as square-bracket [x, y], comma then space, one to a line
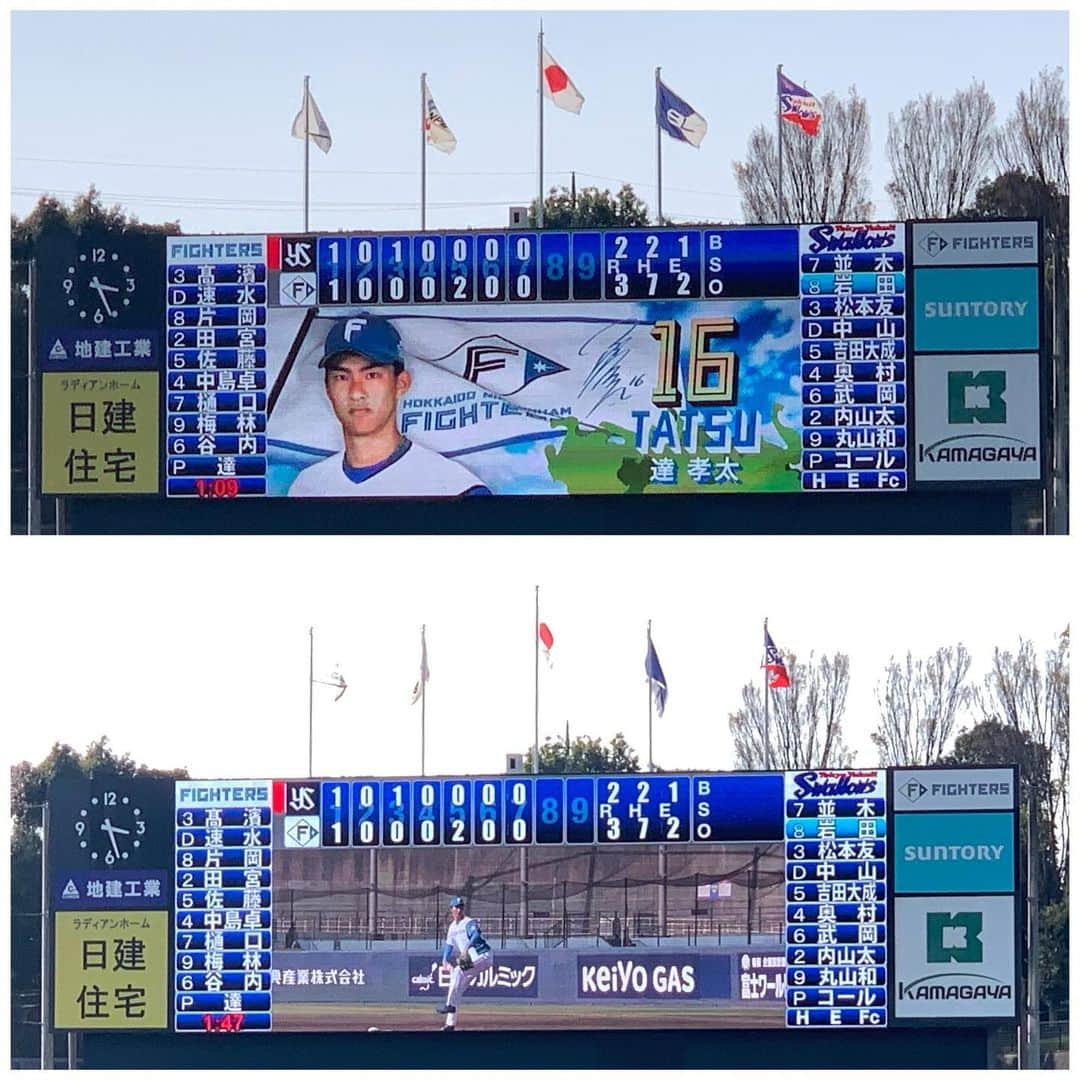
[80, 828]
[68, 285]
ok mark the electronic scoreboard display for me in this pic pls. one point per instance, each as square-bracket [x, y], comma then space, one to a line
[714, 360]
[663, 900]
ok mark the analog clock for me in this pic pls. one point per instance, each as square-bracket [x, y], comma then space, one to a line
[99, 285]
[110, 829]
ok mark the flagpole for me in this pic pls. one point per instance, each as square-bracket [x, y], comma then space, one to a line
[307, 147]
[423, 151]
[311, 696]
[659, 189]
[540, 121]
[766, 699]
[536, 686]
[649, 686]
[423, 698]
[780, 162]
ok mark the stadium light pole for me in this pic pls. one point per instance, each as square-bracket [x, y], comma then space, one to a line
[335, 680]
[46, 950]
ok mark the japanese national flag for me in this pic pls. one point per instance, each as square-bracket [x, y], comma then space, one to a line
[547, 639]
[558, 87]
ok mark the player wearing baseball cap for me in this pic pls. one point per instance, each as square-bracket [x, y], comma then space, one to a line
[465, 955]
[364, 378]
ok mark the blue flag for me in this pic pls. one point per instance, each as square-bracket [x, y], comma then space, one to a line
[677, 118]
[657, 681]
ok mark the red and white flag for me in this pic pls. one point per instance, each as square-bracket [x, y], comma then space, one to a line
[558, 86]
[547, 639]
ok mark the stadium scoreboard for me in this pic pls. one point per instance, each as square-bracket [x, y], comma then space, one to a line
[832, 826]
[865, 356]
[898, 888]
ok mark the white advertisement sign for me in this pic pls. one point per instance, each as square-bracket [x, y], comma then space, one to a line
[977, 417]
[953, 789]
[991, 243]
[955, 957]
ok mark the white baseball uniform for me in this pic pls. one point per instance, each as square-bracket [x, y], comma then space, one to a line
[410, 470]
[457, 941]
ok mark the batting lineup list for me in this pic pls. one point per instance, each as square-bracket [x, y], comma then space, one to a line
[216, 347]
[849, 281]
[835, 911]
[224, 908]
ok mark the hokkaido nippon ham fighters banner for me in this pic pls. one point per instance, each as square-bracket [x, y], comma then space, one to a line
[537, 400]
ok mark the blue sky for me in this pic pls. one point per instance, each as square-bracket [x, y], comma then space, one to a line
[182, 114]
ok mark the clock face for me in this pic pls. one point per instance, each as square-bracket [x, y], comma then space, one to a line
[99, 286]
[110, 829]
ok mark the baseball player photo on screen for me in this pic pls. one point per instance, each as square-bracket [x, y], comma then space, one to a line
[365, 378]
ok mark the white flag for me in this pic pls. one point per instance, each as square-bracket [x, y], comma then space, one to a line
[418, 689]
[435, 130]
[316, 127]
[558, 86]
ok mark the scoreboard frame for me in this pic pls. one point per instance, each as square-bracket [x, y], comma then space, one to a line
[753, 273]
[967, 805]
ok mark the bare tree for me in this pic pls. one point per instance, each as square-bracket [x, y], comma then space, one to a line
[825, 175]
[1034, 699]
[1034, 140]
[805, 719]
[919, 701]
[939, 152]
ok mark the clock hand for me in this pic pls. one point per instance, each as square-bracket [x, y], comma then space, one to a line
[100, 289]
[107, 826]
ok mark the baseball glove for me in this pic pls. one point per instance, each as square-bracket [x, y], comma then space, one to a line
[464, 962]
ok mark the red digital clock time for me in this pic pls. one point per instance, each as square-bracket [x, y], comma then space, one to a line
[223, 1021]
[220, 487]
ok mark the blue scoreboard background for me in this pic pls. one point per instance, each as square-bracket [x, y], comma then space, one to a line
[845, 285]
[831, 826]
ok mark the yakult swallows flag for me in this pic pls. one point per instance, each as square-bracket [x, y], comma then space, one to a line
[797, 104]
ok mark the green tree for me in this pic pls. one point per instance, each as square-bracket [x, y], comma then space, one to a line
[918, 702]
[586, 756]
[805, 719]
[826, 176]
[591, 208]
[29, 788]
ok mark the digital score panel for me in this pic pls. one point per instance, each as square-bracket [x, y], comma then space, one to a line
[836, 925]
[527, 810]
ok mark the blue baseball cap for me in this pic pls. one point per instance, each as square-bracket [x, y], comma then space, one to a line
[456, 901]
[371, 336]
